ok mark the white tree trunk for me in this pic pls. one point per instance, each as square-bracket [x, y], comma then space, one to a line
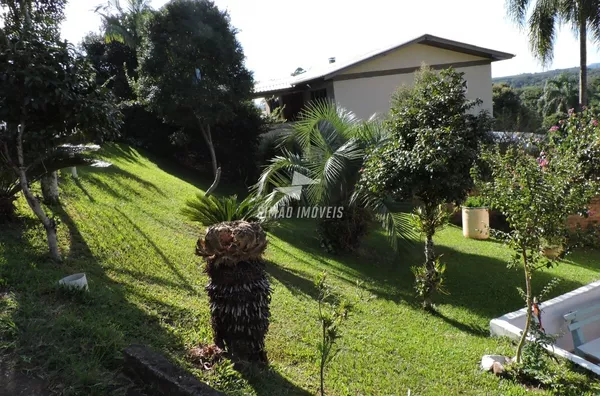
[50, 188]
[74, 172]
[34, 204]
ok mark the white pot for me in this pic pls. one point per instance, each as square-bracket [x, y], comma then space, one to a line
[476, 222]
[75, 281]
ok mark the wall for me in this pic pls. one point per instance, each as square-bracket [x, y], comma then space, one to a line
[366, 96]
[411, 56]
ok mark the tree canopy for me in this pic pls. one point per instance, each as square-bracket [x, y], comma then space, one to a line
[191, 67]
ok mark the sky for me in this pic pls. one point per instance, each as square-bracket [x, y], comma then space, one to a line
[279, 36]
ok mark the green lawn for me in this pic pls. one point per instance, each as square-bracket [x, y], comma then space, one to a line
[121, 225]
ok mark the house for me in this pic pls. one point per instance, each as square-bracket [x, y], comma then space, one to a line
[364, 85]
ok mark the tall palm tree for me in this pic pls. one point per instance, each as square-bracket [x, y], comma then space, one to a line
[331, 144]
[560, 95]
[124, 23]
[546, 16]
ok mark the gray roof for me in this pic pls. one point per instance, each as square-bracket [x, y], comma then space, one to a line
[330, 70]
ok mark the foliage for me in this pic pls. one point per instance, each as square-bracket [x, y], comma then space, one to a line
[475, 201]
[239, 290]
[345, 233]
[511, 114]
[536, 195]
[213, 210]
[560, 95]
[124, 24]
[331, 316]
[191, 71]
[48, 95]
[113, 63]
[429, 280]
[578, 134]
[328, 145]
[435, 142]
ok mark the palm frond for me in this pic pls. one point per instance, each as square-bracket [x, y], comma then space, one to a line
[213, 210]
[543, 24]
[395, 219]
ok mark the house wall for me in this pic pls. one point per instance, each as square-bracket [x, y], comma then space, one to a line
[413, 55]
[368, 95]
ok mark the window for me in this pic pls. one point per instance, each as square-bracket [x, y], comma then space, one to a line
[318, 94]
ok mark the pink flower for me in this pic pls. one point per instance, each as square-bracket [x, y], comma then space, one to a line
[595, 123]
[542, 162]
[554, 128]
[591, 213]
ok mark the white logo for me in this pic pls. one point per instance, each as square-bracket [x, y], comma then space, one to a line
[298, 181]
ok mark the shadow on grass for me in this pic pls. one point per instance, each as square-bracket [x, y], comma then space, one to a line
[267, 382]
[479, 283]
[185, 282]
[294, 281]
[72, 339]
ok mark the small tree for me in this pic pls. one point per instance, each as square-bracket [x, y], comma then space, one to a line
[331, 316]
[536, 195]
[48, 95]
[434, 145]
[191, 69]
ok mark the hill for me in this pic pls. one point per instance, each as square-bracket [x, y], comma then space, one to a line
[121, 226]
[539, 79]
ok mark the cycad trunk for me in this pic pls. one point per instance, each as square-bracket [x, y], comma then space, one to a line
[582, 64]
[49, 184]
[238, 290]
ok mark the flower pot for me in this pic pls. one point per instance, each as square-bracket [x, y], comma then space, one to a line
[75, 281]
[476, 222]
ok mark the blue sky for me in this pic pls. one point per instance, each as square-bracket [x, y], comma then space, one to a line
[279, 36]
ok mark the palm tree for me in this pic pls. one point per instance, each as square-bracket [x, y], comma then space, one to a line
[545, 18]
[331, 144]
[239, 289]
[125, 25]
[560, 95]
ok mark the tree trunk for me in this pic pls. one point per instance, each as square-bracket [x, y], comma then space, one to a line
[49, 184]
[206, 134]
[74, 172]
[239, 290]
[528, 299]
[34, 204]
[430, 268]
[582, 64]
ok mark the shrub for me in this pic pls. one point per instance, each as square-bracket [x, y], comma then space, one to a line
[435, 142]
[346, 233]
[475, 201]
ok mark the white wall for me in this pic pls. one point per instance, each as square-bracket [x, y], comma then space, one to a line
[411, 56]
[366, 96]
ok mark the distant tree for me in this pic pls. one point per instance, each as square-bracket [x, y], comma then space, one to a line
[108, 59]
[191, 70]
[435, 142]
[543, 21]
[509, 112]
[124, 24]
[48, 96]
[560, 95]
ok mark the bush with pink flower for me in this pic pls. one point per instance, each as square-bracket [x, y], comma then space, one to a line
[579, 134]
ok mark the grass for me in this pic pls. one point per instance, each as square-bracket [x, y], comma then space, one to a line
[122, 227]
